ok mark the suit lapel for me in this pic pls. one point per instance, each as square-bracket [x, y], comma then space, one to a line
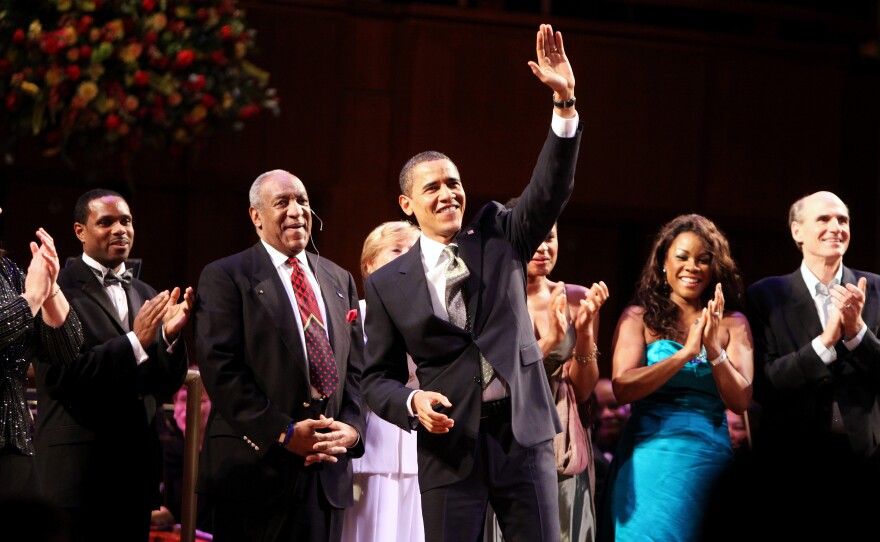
[470, 249]
[412, 283]
[271, 293]
[800, 309]
[335, 305]
[92, 288]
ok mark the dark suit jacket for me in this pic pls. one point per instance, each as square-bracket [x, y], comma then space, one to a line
[95, 445]
[255, 370]
[792, 383]
[496, 248]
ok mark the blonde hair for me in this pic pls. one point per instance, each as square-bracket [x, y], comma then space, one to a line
[381, 237]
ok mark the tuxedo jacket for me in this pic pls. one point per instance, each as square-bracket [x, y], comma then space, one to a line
[256, 372]
[793, 385]
[95, 445]
[496, 248]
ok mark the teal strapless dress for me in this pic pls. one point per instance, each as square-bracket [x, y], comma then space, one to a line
[673, 450]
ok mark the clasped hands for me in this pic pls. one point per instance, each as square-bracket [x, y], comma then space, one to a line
[706, 331]
[321, 440]
[42, 271]
[845, 315]
[164, 309]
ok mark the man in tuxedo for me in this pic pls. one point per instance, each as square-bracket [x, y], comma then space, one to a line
[817, 357]
[95, 449]
[280, 348]
[456, 303]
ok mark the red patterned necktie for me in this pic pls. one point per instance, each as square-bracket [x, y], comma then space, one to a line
[322, 364]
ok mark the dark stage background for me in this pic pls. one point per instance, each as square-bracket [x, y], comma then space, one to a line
[726, 108]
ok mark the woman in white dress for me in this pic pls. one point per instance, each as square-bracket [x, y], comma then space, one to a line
[387, 503]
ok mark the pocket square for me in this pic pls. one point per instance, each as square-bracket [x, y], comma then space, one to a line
[351, 316]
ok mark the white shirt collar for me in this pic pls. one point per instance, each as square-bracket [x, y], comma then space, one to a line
[813, 282]
[279, 258]
[432, 251]
[93, 263]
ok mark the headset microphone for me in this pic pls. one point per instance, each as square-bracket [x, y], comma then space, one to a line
[320, 222]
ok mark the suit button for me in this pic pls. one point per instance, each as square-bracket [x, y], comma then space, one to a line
[478, 380]
[306, 405]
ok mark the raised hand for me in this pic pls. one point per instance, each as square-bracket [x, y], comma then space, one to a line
[49, 253]
[589, 308]
[177, 314]
[39, 282]
[552, 66]
[850, 300]
[711, 331]
[694, 342]
[557, 319]
[149, 318]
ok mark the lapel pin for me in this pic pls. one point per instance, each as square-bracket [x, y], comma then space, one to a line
[470, 232]
[340, 295]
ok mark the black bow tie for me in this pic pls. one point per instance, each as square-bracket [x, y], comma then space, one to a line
[112, 278]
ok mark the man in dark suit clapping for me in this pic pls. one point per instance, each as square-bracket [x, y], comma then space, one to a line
[96, 451]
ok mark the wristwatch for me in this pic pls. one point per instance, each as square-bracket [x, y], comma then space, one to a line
[720, 359]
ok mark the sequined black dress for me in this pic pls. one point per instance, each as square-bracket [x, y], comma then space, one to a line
[25, 338]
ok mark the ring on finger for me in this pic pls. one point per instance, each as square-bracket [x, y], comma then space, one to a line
[716, 313]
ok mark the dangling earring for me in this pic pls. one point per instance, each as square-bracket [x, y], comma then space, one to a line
[666, 287]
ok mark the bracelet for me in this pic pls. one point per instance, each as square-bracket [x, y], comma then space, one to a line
[591, 357]
[566, 104]
[56, 292]
[722, 357]
[288, 434]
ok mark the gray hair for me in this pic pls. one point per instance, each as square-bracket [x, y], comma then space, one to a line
[254, 193]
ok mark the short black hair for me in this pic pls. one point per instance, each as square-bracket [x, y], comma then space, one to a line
[81, 209]
[406, 178]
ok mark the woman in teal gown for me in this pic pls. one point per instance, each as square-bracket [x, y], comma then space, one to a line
[681, 360]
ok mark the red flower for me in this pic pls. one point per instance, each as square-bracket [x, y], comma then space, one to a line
[351, 316]
[225, 32]
[112, 122]
[73, 72]
[141, 78]
[196, 82]
[209, 101]
[219, 58]
[149, 5]
[248, 111]
[84, 24]
[151, 37]
[85, 51]
[184, 58]
[18, 36]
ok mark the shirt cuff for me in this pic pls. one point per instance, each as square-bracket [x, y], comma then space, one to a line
[563, 127]
[853, 343]
[169, 346]
[140, 355]
[827, 355]
[409, 403]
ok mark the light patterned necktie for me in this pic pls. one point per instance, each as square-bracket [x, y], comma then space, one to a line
[456, 275]
[322, 364]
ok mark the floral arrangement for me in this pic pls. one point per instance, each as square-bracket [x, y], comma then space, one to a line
[128, 72]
